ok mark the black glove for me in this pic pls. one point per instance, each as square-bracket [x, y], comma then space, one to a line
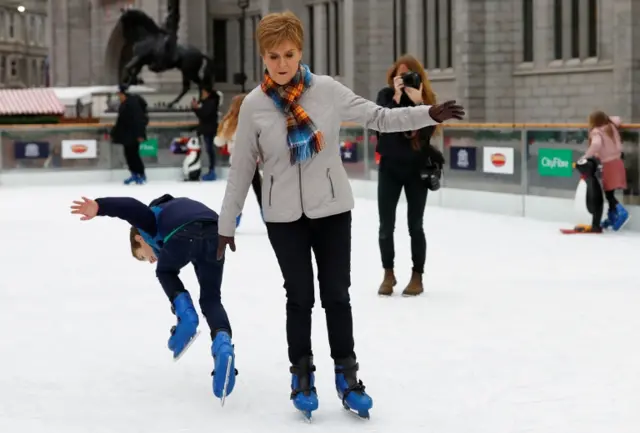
[446, 111]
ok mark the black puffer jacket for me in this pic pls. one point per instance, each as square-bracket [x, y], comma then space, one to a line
[395, 147]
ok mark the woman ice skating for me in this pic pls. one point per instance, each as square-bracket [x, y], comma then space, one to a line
[292, 120]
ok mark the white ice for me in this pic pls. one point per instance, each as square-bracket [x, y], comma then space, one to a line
[522, 329]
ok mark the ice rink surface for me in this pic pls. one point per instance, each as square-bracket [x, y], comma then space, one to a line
[522, 330]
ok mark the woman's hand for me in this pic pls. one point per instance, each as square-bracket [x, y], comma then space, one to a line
[414, 94]
[398, 85]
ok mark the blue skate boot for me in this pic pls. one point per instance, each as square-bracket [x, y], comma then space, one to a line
[224, 373]
[140, 180]
[211, 176]
[608, 221]
[303, 391]
[238, 219]
[350, 389]
[622, 216]
[131, 179]
[186, 330]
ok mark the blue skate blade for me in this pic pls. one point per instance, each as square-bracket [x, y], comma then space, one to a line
[186, 347]
[227, 377]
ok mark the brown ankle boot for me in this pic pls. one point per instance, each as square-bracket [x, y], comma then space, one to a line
[386, 288]
[414, 288]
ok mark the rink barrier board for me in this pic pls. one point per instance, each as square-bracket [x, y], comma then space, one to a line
[523, 193]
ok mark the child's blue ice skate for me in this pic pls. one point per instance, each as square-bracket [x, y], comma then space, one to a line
[224, 373]
[238, 218]
[186, 330]
[622, 217]
[140, 180]
[608, 221]
[303, 391]
[350, 389]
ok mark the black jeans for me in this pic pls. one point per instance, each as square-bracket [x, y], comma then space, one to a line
[256, 184]
[330, 240]
[133, 159]
[392, 178]
[196, 243]
[208, 145]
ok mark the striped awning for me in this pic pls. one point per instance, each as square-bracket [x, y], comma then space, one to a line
[35, 101]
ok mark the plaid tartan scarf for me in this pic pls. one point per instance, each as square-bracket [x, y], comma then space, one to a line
[303, 139]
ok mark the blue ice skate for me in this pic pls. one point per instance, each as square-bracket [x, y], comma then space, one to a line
[224, 373]
[238, 218]
[140, 180]
[185, 331]
[303, 390]
[211, 176]
[622, 217]
[608, 221]
[131, 179]
[350, 389]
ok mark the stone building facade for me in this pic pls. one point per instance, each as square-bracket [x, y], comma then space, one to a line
[23, 43]
[506, 60]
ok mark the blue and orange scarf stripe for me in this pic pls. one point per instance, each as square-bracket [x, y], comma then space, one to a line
[303, 138]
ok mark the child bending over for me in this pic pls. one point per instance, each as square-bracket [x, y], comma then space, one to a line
[174, 232]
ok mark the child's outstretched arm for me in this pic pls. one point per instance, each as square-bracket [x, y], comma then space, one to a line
[128, 209]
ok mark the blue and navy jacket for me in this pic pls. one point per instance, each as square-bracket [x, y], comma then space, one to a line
[160, 220]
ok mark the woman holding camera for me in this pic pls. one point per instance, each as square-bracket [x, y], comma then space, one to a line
[409, 162]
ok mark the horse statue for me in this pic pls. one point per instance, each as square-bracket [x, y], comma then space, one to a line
[157, 48]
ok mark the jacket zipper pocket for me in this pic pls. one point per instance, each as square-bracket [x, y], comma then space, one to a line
[333, 192]
[270, 190]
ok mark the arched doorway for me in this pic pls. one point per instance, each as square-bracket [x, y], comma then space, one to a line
[117, 54]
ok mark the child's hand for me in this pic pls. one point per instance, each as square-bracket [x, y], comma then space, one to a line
[87, 208]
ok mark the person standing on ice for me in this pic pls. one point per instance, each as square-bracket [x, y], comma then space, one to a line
[605, 144]
[292, 120]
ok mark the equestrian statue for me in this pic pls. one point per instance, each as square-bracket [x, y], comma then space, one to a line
[157, 48]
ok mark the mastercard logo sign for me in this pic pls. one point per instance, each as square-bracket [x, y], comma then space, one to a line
[498, 159]
[79, 148]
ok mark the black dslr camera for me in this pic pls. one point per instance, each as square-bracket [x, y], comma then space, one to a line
[411, 79]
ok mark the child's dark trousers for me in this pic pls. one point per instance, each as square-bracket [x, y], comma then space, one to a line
[196, 243]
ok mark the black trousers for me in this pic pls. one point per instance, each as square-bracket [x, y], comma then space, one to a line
[393, 177]
[133, 159]
[208, 145]
[330, 240]
[256, 184]
[196, 243]
[611, 199]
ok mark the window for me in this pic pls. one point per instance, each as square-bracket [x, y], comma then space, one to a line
[3, 20]
[593, 29]
[12, 26]
[437, 30]
[327, 34]
[337, 25]
[312, 30]
[14, 69]
[256, 67]
[557, 30]
[399, 28]
[332, 36]
[34, 73]
[527, 31]
[220, 50]
[581, 35]
[33, 30]
[3, 68]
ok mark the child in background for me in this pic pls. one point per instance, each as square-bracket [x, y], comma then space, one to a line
[174, 232]
[226, 136]
[606, 145]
